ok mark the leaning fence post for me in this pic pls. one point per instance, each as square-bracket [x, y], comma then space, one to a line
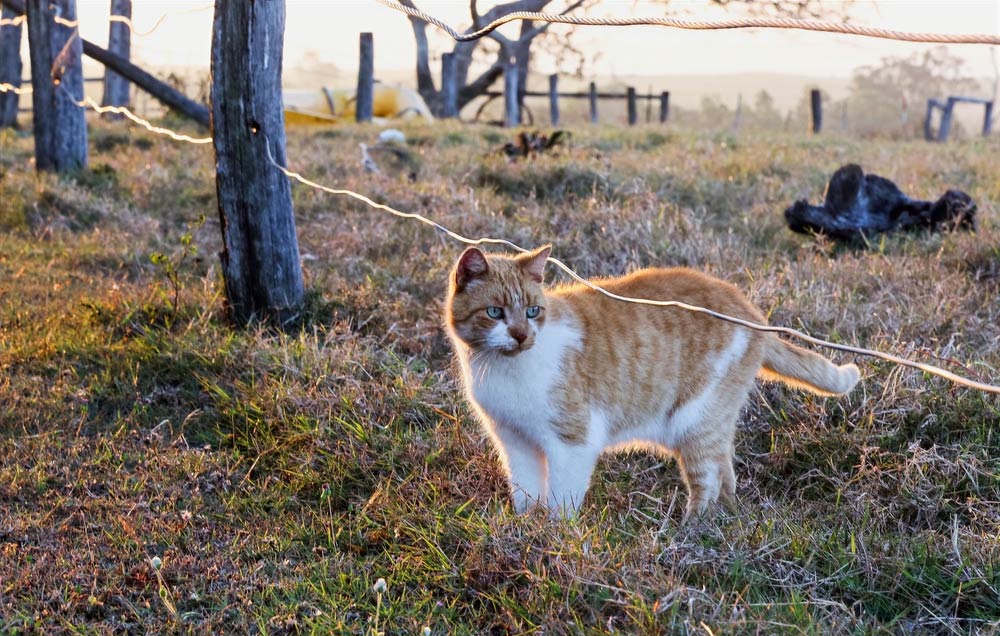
[512, 112]
[366, 80]
[816, 99]
[449, 86]
[593, 103]
[664, 106]
[554, 99]
[987, 119]
[633, 115]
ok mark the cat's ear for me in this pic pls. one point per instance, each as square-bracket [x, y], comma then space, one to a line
[533, 263]
[471, 265]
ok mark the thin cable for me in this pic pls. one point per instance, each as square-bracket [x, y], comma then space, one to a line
[928, 368]
[88, 102]
[13, 21]
[735, 23]
[121, 110]
[131, 25]
[10, 88]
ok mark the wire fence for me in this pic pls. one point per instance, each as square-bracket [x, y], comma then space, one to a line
[737, 23]
[927, 368]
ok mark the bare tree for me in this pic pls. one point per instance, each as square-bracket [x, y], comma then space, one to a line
[517, 49]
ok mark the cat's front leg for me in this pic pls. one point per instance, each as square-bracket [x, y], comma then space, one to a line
[525, 465]
[570, 468]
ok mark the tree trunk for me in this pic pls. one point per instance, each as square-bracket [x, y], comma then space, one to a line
[260, 255]
[116, 87]
[59, 124]
[10, 68]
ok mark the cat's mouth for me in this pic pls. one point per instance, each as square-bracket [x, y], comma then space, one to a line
[512, 350]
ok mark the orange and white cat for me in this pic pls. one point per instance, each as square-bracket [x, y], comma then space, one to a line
[558, 376]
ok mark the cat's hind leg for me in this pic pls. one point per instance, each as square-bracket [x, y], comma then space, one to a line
[526, 468]
[706, 462]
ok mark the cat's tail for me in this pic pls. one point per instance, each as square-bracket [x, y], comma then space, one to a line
[801, 368]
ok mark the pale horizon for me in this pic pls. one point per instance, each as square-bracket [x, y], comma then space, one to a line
[321, 33]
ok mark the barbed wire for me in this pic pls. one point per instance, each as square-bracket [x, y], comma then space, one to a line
[927, 368]
[128, 22]
[677, 23]
[88, 102]
[10, 88]
[15, 21]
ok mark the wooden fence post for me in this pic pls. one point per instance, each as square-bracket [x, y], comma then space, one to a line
[260, 252]
[931, 105]
[449, 86]
[632, 112]
[116, 87]
[945, 127]
[512, 111]
[664, 106]
[987, 119]
[59, 124]
[10, 67]
[816, 100]
[554, 99]
[593, 103]
[365, 102]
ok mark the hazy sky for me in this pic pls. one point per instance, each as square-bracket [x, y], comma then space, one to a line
[330, 29]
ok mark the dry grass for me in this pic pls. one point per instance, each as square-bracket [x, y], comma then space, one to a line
[277, 476]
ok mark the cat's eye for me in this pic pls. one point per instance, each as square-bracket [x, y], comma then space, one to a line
[533, 311]
[496, 313]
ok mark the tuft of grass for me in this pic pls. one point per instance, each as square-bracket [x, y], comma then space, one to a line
[278, 477]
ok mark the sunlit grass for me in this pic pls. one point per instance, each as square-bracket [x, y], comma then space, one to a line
[279, 476]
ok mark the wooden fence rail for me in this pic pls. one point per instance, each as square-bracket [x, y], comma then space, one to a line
[631, 97]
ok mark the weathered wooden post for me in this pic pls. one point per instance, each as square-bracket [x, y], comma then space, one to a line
[633, 115]
[554, 99]
[945, 127]
[449, 86]
[365, 102]
[57, 83]
[816, 100]
[512, 110]
[10, 66]
[593, 103]
[931, 105]
[664, 106]
[987, 119]
[116, 87]
[260, 253]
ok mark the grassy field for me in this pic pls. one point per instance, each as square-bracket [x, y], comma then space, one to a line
[162, 473]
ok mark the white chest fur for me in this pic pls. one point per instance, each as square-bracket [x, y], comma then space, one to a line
[517, 391]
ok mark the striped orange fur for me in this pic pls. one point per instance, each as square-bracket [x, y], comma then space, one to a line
[558, 376]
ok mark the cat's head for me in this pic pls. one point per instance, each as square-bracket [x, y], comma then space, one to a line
[495, 303]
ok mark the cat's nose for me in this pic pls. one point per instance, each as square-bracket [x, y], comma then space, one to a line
[518, 333]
